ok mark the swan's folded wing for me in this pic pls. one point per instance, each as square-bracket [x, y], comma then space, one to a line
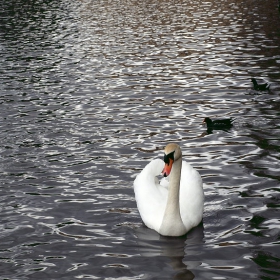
[149, 197]
[191, 196]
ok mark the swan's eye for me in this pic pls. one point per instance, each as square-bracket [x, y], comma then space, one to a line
[167, 158]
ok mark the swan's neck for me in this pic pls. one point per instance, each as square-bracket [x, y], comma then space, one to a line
[172, 223]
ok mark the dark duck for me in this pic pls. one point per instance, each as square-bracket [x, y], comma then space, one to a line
[218, 124]
[259, 86]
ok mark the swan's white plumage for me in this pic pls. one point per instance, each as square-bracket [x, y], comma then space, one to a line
[151, 196]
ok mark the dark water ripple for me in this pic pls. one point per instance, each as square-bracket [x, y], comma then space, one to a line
[93, 90]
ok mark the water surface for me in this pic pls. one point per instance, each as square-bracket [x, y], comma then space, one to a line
[91, 91]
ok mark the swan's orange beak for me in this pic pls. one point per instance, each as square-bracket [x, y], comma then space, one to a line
[167, 168]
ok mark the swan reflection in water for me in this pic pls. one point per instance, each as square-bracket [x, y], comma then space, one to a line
[151, 244]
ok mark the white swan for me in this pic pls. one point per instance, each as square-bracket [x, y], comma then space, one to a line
[170, 208]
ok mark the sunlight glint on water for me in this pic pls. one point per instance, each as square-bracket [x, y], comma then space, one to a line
[91, 91]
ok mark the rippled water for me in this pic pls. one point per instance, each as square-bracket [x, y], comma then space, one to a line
[91, 91]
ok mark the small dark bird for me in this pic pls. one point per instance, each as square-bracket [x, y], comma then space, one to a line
[218, 124]
[260, 86]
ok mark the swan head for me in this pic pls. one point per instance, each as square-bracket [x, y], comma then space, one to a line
[172, 152]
